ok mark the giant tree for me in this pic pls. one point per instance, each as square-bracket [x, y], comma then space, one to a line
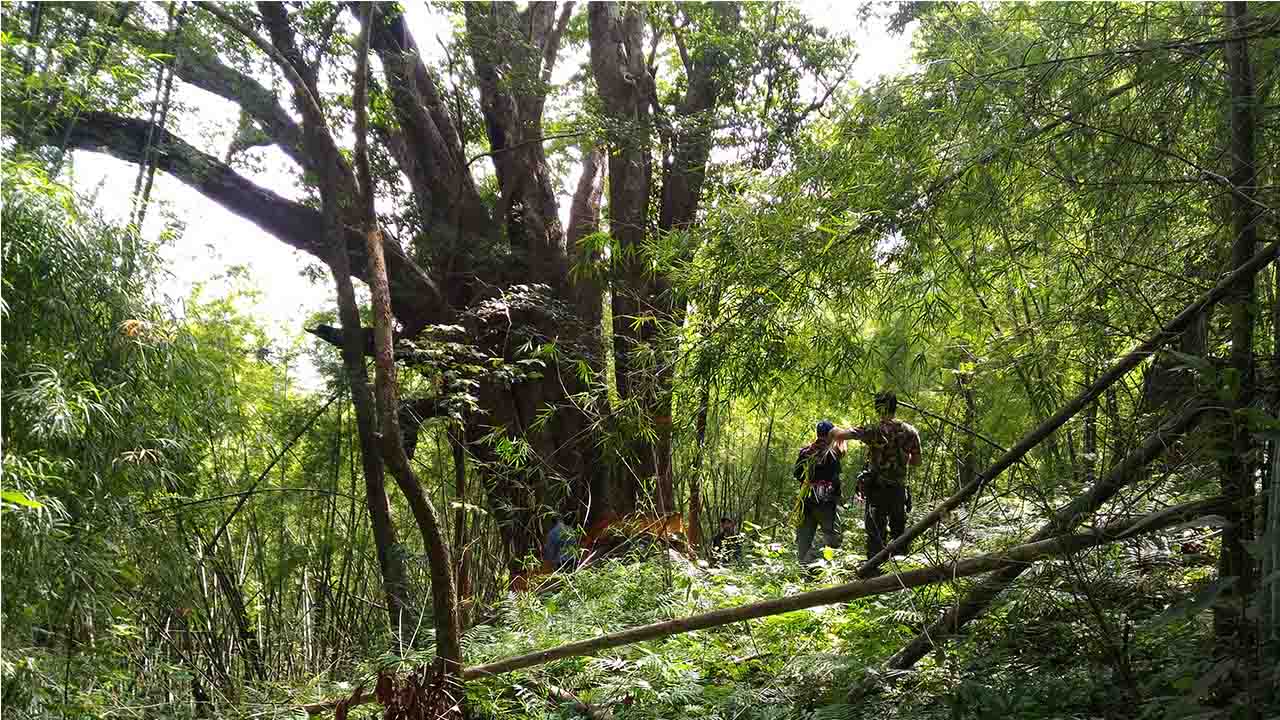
[498, 308]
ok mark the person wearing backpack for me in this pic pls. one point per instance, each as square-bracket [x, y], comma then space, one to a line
[818, 470]
[893, 446]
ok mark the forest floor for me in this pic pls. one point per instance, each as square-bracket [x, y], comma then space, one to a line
[1105, 633]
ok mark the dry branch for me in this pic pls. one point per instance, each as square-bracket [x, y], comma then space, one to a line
[1118, 370]
[1020, 554]
[976, 601]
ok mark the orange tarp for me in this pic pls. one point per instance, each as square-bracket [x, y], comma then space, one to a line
[610, 526]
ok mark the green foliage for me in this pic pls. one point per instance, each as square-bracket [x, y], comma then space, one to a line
[984, 234]
[125, 427]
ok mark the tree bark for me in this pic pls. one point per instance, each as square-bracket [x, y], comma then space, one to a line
[444, 597]
[584, 221]
[453, 214]
[514, 54]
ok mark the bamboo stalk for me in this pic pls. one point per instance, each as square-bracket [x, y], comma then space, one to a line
[1033, 438]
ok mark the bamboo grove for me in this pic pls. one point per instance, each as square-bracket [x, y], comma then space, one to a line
[611, 262]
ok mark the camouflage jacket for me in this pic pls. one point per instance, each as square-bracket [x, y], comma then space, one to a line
[890, 444]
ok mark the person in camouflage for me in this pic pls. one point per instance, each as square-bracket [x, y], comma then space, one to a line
[893, 446]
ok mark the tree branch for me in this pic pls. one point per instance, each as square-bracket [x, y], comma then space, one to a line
[205, 71]
[415, 296]
[1019, 554]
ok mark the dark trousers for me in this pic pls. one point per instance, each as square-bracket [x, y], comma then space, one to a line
[886, 515]
[816, 515]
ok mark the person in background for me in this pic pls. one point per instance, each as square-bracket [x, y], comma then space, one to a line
[893, 446]
[726, 546]
[557, 551]
[818, 469]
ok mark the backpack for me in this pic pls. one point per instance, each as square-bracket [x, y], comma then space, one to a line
[821, 468]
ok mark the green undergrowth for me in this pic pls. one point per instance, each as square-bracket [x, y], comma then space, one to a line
[1116, 632]
[1046, 652]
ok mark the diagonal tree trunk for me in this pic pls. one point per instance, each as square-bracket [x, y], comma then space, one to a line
[1066, 519]
[1117, 370]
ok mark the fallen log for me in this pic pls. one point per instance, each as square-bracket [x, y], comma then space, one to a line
[976, 601]
[1033, 438]
[1026, 553]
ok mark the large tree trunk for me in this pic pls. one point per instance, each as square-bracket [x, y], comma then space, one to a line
[643, 305]
[514, 53]
[587, 290]
[706, 68]
[617, 61]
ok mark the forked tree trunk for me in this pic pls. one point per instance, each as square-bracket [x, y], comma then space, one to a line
[642, 302]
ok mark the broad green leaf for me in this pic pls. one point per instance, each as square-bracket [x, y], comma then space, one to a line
[17, 498]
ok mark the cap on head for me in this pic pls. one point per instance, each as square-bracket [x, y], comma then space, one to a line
[824, 427]
[886, 402]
